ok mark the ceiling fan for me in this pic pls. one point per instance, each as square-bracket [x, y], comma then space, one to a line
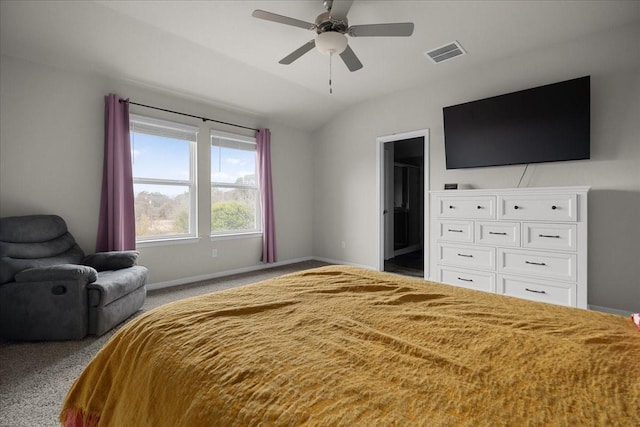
[332, 27]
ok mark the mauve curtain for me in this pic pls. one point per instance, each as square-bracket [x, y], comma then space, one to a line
[116, 225]
[263, 140]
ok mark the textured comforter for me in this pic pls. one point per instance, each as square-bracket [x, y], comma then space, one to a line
[348, 346]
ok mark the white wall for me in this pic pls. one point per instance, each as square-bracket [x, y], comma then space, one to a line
[51, 151]
[345, 156]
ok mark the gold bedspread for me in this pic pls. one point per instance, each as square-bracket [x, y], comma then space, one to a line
[348, 346]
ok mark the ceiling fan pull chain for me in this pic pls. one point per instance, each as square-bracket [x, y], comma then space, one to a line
[330, 88]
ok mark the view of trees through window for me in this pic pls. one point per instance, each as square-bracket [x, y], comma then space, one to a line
[164, 187]
[160, 214]
[163, 157]
[234, 208]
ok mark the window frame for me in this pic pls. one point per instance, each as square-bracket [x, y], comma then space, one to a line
[230, 234]
[175, 130]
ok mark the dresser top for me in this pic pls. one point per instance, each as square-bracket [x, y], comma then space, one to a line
[528, 190]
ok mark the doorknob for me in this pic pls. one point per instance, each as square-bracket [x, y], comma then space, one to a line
[384, 211]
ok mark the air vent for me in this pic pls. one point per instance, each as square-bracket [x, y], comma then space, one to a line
[445, 52]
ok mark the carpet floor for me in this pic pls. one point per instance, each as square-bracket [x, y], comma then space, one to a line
[35, 377]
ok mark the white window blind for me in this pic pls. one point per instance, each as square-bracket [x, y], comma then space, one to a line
[165, 128]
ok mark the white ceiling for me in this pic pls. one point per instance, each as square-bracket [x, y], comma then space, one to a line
[216, 52]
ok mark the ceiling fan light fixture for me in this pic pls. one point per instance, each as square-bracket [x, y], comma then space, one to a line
[331, 42]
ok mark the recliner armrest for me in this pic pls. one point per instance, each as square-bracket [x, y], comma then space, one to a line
[58, 272]
[114, 260]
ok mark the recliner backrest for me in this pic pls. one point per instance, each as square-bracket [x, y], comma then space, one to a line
[35, 241]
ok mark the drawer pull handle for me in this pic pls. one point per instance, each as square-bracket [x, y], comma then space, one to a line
[466, 256]
[534, 291]
[496, 233]
[454, 231]
[516, 207]
[465, 280]
[534, 263]
[554, 207]
[479, 207]
[451, 206]
[550, 236]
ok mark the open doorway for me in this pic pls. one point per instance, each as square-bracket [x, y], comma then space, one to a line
[404, 184]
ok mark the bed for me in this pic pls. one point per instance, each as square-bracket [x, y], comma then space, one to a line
[343, 345]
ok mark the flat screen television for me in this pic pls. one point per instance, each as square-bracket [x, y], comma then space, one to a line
[545, 124]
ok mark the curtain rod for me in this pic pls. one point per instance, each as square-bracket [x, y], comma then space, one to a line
[204, 119]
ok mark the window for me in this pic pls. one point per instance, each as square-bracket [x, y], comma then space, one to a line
[235, 201]
[163, 156]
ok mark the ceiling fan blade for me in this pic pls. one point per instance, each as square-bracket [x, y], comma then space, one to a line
[350, 59]
[339, 9]
[298, 52]
[400, 29]
[268, 16]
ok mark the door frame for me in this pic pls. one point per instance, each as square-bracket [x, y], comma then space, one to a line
[388, 214]
[424, 133]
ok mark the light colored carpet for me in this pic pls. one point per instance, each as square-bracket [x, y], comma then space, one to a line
[35, 377]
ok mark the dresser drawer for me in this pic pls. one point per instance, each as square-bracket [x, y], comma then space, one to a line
[557, 265]
[551, 207]
[478, 280]
[467, 256]
[538, 290]
[480, 207]
[550, 236]
[455, 231]
[498, 233]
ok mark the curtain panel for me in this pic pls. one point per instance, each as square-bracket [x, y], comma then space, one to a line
[263, 141]
[116, 224]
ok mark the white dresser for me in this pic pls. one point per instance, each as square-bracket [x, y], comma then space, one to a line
[525, 242]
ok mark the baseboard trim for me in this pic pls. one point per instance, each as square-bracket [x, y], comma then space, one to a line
[407, 250]
[335, 261]
[185, 280]
[609, 310]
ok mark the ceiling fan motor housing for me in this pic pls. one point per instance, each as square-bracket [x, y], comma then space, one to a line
[325, 23]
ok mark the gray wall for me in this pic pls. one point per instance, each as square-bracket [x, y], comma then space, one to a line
[345, 156]
[51, 151]
[51, 139]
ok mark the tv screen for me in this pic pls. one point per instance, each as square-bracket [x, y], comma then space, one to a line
[545, 124]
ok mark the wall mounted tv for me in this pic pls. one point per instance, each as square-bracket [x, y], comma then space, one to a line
[545, 124]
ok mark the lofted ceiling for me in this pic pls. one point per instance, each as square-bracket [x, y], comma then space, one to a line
[216, 52]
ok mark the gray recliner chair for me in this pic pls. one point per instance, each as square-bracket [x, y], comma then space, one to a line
[49, 289]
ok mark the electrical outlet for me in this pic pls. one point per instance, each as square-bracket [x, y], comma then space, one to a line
[214, 252]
